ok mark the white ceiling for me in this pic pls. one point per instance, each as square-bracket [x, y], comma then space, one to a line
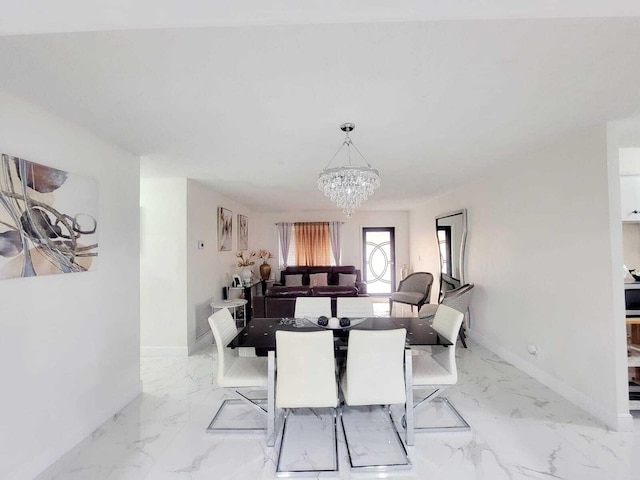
[254, 110]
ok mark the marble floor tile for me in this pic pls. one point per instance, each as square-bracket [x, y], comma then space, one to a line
[520, 430]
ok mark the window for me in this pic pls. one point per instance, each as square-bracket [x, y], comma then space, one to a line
[310, 245]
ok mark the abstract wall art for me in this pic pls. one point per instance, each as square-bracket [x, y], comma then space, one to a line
[225, 229]
[48, 220]
[243, 232]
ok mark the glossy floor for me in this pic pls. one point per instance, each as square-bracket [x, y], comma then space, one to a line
[520, 430]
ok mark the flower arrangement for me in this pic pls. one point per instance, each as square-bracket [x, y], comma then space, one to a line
[245, 262]
[264, 255]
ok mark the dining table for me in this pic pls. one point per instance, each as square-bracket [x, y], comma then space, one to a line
[260, 333]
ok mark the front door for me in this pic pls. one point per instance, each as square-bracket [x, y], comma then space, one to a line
[379, 260]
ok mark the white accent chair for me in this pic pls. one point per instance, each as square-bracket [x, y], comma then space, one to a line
[313, 307]
[438, 371]
[235, 372]
[353, 307]
[306, 377]
[375, 374]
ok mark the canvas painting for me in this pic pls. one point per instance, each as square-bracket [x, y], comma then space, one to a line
[225, 229]
[48, 220]
[243, 232]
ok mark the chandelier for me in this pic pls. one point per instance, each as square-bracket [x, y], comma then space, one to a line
[348, 186]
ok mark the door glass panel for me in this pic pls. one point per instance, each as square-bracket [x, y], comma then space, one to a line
[379, 260]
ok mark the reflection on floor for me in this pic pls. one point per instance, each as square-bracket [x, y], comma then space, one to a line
[520, 430]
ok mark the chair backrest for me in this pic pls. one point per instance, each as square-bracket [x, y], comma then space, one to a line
[306, 375]
[224, 329]
[458, 298]
[416, 282]
[447, 323]
[354, 307]
[375, 367]
[312, 307]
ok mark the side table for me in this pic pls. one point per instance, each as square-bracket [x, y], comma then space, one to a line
[239, 302]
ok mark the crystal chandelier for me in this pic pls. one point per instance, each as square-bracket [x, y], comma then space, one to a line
[348, 186]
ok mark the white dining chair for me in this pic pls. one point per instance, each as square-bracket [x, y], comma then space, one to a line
[375, 374]
[438, 371]
[354, 307]
[458, 299]
[306, 378]
[313, 307]
[235, 373]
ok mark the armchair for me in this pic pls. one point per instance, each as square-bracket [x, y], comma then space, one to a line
[413, 290]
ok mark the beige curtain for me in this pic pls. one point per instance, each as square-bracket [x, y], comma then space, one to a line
[312, 243]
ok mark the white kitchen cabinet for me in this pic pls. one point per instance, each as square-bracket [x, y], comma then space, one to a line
[630, 196]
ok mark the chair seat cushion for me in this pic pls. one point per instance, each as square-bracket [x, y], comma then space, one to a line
[428, 310]
[426, 371]
[407, 297]
[245, 372]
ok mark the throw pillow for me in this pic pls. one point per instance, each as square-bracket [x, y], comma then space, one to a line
[318, 279]
[293, 280]
[346, 279]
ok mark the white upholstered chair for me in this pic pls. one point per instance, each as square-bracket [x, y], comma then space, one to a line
[235, 372]
[354, 307]
[313, 307]
[375, 375]
[438, 371]
[458, 299]
[306, 376]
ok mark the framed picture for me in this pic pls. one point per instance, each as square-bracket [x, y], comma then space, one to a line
[48, 220]
[225, 229]
[243, 232]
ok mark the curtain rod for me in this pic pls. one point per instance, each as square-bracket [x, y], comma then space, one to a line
[293, 223]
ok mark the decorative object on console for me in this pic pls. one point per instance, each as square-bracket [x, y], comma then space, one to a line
[243, 232]
[245, 263]
[265, 268]
[225, 229]
[349, 185]
[48, 223]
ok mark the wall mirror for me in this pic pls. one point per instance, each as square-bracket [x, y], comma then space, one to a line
[451, 234]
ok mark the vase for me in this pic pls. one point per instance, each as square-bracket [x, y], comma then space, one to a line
[246, 275]
[265, 271]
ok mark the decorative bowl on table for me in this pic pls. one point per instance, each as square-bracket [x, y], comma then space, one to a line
[335, 323]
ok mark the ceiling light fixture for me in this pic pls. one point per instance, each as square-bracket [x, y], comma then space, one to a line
[348, 186]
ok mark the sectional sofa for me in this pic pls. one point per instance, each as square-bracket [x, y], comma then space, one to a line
[280, 299]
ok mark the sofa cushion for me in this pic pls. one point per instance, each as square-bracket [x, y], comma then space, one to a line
[318, 279]
[280, 291]
[334, 290]
[293, 280]
[347, 280]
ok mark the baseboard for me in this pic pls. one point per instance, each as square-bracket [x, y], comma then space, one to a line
[205, 340]
[53, 470]
[620, 422]
[164, 351]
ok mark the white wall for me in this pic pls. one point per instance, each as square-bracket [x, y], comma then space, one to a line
[540, 255]
[631, 244]
[178, 280]
[69, 344]
[351, 232]
[208, 267]
[163, 266]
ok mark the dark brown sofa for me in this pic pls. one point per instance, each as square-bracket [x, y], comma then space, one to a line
[279, 301]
